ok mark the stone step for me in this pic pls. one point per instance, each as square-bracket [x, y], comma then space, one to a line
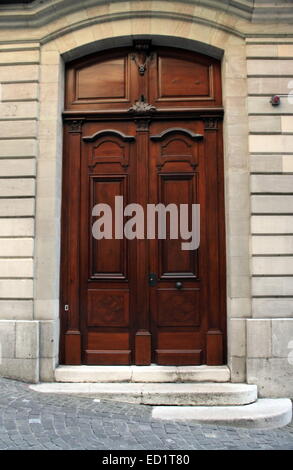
[263, 414]
[152, 374]
[200, 394]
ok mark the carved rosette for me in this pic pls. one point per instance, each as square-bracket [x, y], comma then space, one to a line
[141, 107]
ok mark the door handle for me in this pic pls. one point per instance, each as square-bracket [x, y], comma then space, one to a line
[178, 285]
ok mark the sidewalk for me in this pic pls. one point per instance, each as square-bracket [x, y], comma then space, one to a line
[29, 420]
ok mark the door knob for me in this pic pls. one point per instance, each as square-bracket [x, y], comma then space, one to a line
[178, 285]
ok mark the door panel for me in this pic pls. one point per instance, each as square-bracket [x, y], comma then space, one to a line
[101, 83]
[107, 277]
[108, 257]
[177, 176]
[182, 78]
[180, 188]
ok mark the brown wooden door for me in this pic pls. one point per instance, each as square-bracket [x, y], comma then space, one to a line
[143, 300]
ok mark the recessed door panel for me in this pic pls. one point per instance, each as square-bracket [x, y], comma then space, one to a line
[183, 78]
[108, 256]
[175, 191]
[104, 80]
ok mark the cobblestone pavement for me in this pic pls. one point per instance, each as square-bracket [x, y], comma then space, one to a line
[29, 420]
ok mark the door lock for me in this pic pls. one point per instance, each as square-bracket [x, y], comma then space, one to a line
[153, 279]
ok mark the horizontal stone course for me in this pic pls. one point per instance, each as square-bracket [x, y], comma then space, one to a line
[14, 227]
[18, 129]
[18, 73]
[275, 245]
[272, 286]
[272, 308]
[271, 143]
[276, 204]
[271, 163]
[266, 124]
[16, 247]
[17, 167]
[262, 105]
[17, 187]
[266, 163]
[16, 289]
[17, 147]
[270, 224]
[272, 183]
[269, 85]
[16, 268]
[19, 91]
[261, 50]
[269, 67]
[14, 57]
[276, 265]
[17, 207]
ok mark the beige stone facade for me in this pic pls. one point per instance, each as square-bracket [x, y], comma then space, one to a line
[256, 49]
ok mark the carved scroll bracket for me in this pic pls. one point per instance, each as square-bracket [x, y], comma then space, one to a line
[142, 124]
[211, 124]
[75, 126]
[142, 47]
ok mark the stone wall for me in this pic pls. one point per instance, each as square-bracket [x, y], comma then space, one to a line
[270, 330]
[24, 339]
[19, 78]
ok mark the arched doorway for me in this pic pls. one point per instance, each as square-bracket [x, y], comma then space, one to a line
[144, 123]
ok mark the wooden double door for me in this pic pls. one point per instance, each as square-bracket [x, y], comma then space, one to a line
[134, 139]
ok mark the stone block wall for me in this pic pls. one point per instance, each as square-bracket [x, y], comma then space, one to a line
[270, 329]
[23, 338]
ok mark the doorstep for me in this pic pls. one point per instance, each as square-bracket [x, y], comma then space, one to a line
[200, 394]
[265, 413]
[142, 374]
